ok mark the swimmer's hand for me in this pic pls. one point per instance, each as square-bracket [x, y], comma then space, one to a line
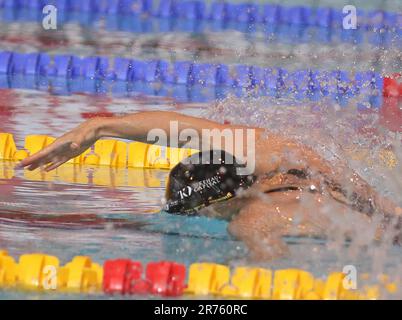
[68, 146]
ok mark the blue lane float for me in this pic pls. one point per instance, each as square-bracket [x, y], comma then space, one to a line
[179, 72]
[216, 11]
[182, 93]
[298, 25]
[184, 80]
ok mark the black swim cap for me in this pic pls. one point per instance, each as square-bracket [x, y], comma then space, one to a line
[202, 179]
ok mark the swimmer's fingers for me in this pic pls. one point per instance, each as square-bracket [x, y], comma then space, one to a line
[55, 165]
[48, 154]
[35, 160]
[39, 163]
[50, 162]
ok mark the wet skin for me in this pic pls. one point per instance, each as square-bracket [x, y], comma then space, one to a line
[285, 205]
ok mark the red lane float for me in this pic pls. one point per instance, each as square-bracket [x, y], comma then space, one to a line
[393, 86]
[123, 276]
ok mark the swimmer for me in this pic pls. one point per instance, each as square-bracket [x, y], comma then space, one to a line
[292, 190]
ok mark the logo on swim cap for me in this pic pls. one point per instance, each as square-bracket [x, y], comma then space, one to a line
[193, 184]
[185, 192]
[206, 183]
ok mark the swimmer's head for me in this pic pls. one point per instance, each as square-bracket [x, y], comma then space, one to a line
[203, 179]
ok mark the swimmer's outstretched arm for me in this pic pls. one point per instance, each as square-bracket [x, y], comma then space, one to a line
[135, 127]
[272, 152]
